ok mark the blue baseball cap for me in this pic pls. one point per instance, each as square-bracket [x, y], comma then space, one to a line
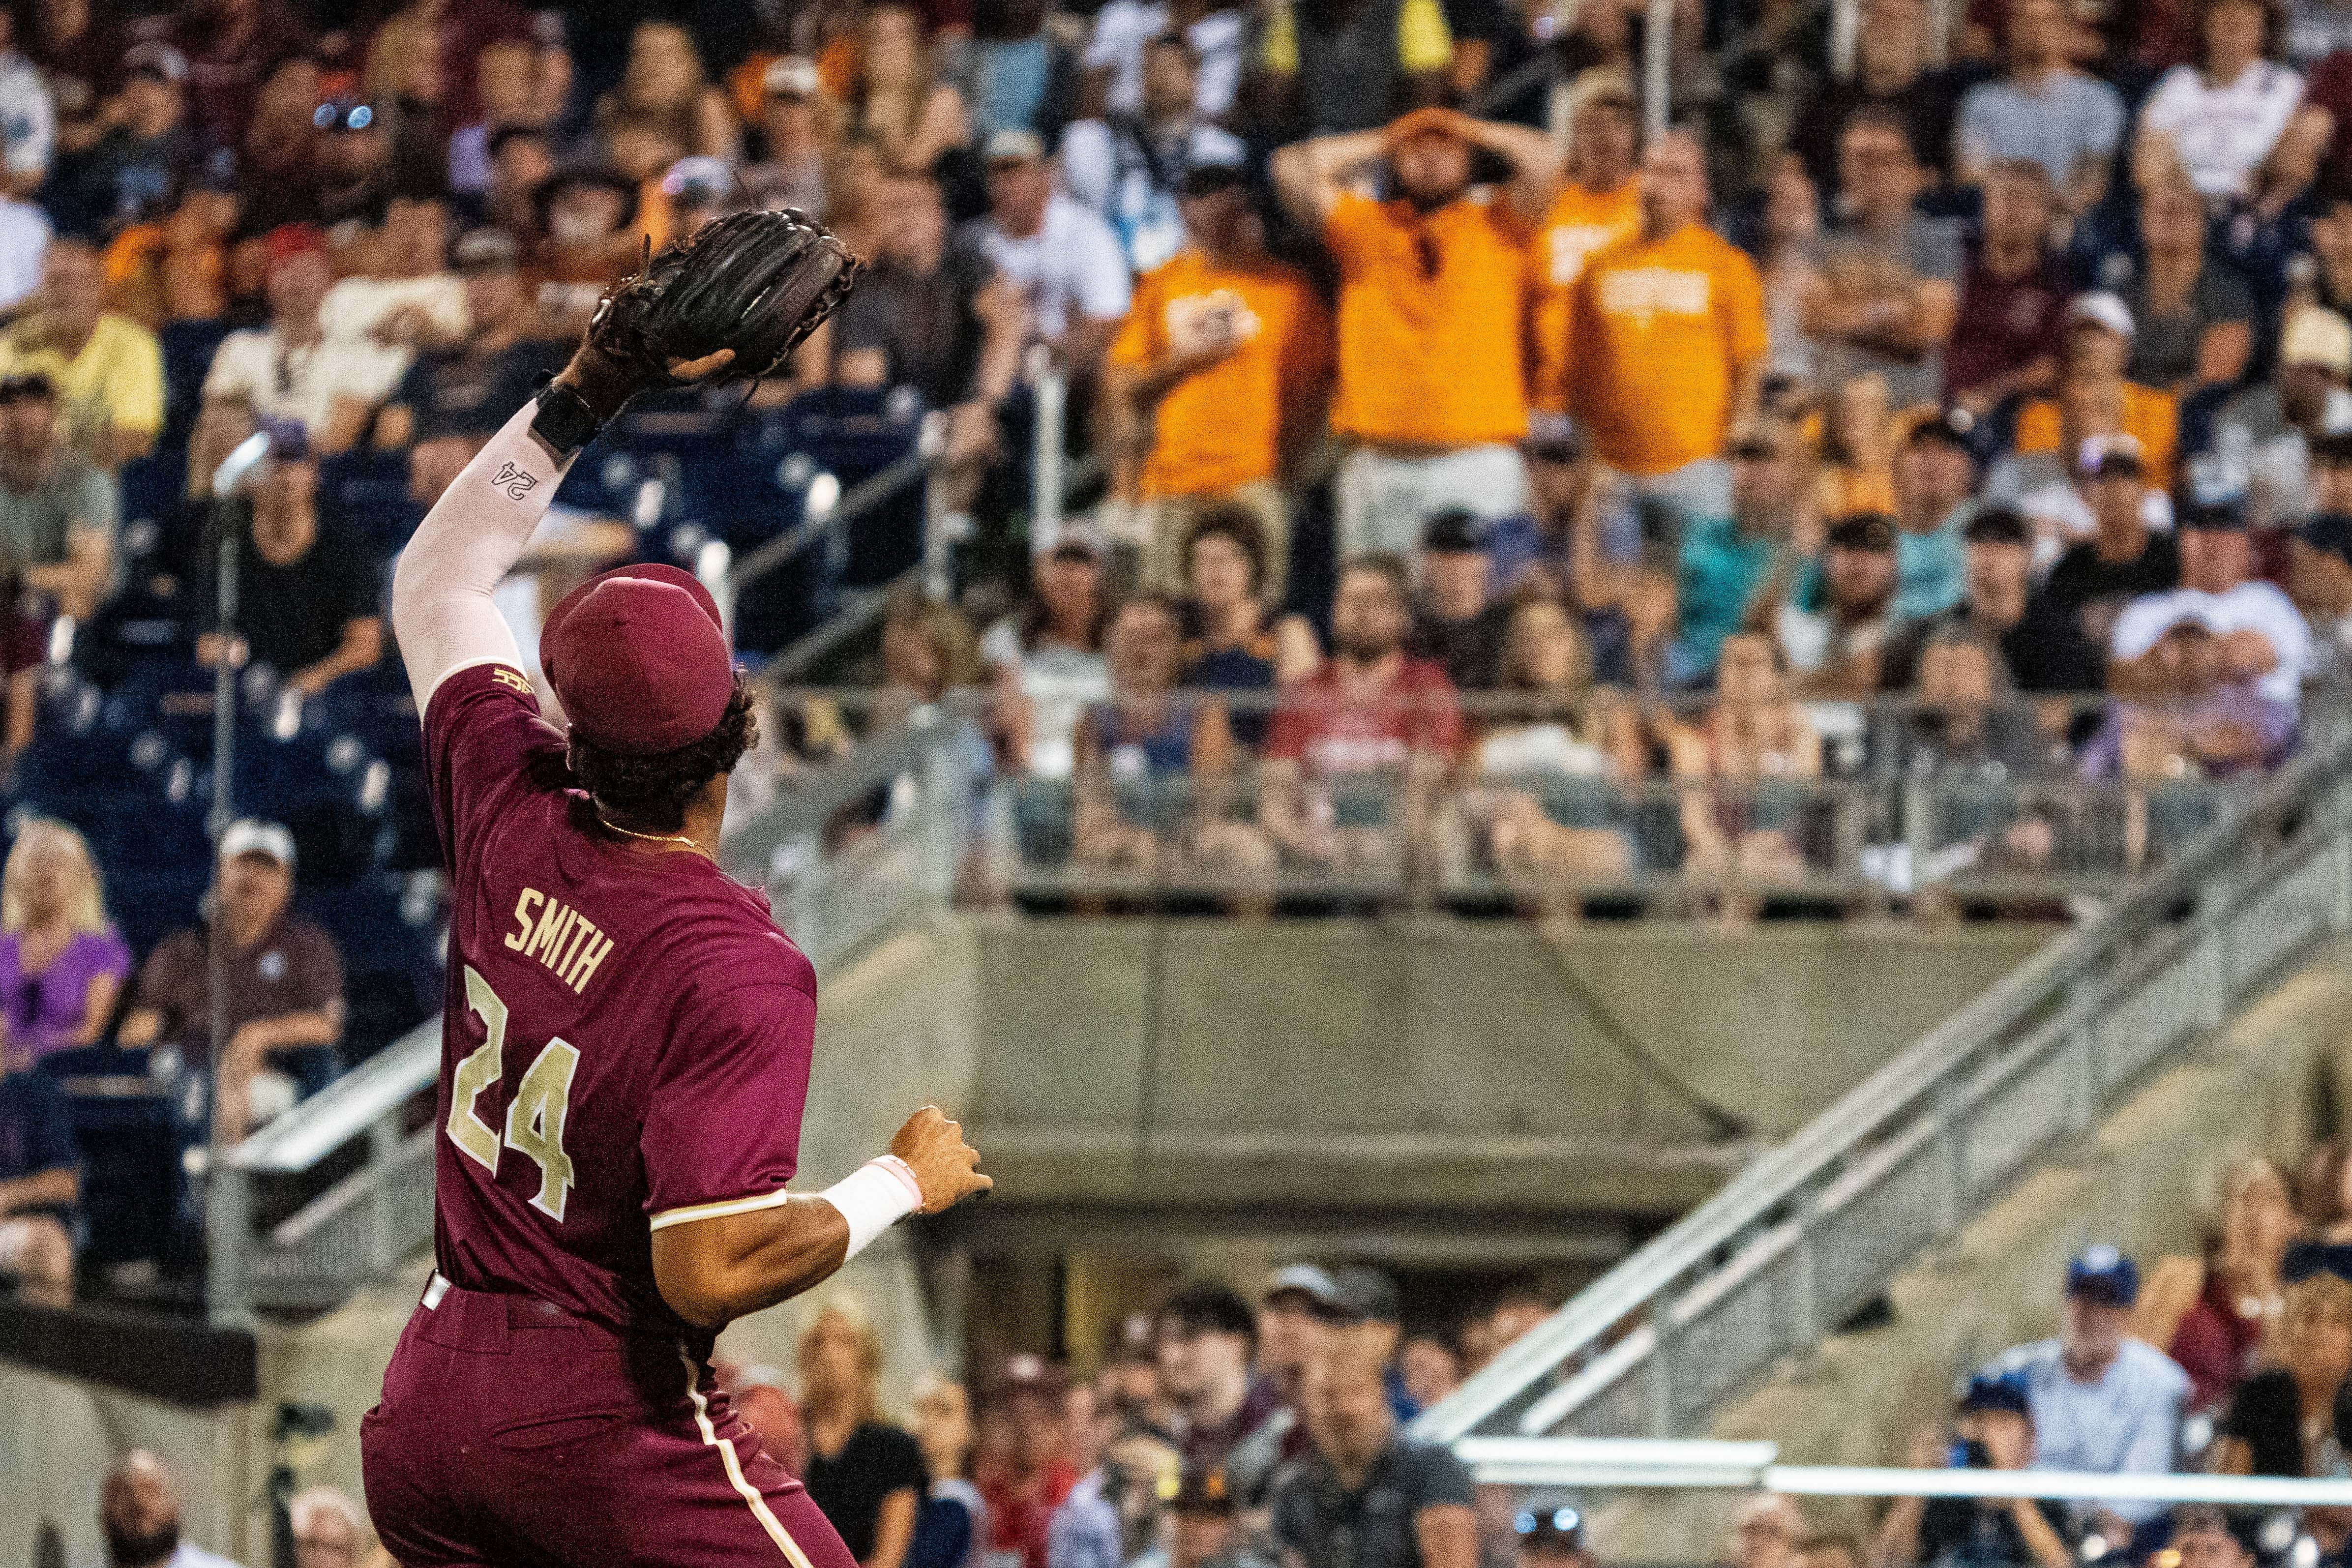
[2330, 532]
[2103, 1274]
[1987, 1391]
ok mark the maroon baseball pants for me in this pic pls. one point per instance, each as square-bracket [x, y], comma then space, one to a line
[512, 1435]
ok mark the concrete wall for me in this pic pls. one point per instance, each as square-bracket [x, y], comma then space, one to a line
[57, 1436]
[2147, 1182]
[1430, 1061]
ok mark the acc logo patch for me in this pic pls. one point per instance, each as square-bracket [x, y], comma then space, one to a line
[514, 481]
[507, 677]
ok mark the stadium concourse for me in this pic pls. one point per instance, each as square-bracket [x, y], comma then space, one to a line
[1579, 467]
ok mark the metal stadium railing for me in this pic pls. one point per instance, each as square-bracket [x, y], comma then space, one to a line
[1770, 1266]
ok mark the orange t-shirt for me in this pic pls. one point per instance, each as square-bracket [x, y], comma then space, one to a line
[2150, 417]
[1430, 321]
[1658, 332]
[1223, 426]
[1580, 222]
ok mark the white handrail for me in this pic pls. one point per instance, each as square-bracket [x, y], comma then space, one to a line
[1653, 1464]
[346, 1108]
[1704, 1238]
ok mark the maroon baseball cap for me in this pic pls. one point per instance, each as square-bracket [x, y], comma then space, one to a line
[639, 659]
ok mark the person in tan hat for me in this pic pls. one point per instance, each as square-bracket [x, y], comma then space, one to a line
[2277, 422]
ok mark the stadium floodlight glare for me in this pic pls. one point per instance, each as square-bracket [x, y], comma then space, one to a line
[240, 465]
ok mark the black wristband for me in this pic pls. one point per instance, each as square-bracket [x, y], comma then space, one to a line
[564, 420]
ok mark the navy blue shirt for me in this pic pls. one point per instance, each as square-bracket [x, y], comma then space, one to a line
[36, 1129]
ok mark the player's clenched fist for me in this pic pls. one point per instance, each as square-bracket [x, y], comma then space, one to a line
[946, 1168]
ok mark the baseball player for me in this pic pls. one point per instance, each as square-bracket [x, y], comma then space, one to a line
[626, 1035]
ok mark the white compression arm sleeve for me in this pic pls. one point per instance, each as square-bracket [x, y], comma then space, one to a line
[441, 607]
[873, 1197]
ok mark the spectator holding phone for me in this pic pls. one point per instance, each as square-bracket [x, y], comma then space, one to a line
[1992, 1430]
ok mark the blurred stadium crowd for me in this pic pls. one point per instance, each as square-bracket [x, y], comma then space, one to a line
[1918, 473]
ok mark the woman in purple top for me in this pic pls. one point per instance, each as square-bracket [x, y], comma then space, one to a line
[62, 963]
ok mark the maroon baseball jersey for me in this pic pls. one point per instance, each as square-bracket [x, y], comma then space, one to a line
[627, 1037]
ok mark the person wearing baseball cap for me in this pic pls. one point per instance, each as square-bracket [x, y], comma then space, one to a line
[1221, 354]
[1295, 1313]
[2305, 406]
[790, 172]
[2094, 396]
[291, 369]
[1224, 350]
[1128, 170]
[283, 999]
[627, 1036]
[1934, 492]
[454, 397]
[2264, 641]
[2320, 581]
[1992, 1429]
[2044, 649]
[1835, 650]
[2101, 1402]
[1078, 301]
[2125, 558]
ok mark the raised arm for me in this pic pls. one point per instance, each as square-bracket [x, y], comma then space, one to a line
[1535, 157]
[442, 613]
[1308, 175]
[758, 281]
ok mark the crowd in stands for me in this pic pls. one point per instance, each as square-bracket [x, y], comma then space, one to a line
[1211, 1432]
[1927, 453]
[2234, 1362]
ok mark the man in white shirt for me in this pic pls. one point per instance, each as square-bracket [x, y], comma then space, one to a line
[28, 116]
[2101, 1402]
[1114, 57]
[292, 368]
[2226, 121]
[1066, 261]
[1126, 167]
[23, 241]
[139, 1513]
[407, 296]
[2263, 638]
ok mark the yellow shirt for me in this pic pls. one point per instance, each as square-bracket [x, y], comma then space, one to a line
[1659, 332]
[1430, 321]
[117, 379]
[1222, 427]
[1424, 40]
[2150, 417]
[1580, 222]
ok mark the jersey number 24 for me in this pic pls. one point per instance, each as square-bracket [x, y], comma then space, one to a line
[535, 1112]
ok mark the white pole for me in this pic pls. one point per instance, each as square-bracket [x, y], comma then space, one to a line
[1657, 61]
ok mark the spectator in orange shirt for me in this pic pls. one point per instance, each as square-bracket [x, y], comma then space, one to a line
[2099, 329]
[1600, 205]
[1224, 356]
[1665, 341]
[1431, 386]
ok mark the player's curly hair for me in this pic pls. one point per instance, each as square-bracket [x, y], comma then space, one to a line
[651, 793]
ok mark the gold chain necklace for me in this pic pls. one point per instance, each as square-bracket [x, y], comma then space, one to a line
[655, 838]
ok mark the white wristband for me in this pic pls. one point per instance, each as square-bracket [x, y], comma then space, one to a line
[873, 1197]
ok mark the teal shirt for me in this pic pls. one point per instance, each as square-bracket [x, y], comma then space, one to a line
[1931, 570]
[1719, 570]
